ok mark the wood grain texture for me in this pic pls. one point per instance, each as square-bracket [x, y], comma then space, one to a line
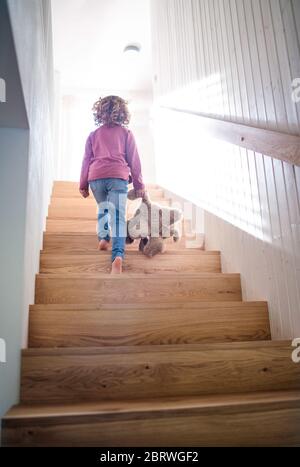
[79, 208]
[135, 263]
[70, 243]
[117, 307]
[74, 288]
[81, 226]
[154, 326]
[262, 419]
[75, 242]
[131, 373]
[62, 189]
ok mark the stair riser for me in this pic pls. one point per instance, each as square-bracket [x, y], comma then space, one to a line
[77, 377]
[73, 193]
[85, 244]
[59, 290]
[60, 264]
[89, 226]
[87, 209]
[66, 201]
[147, 327]
[258, 426]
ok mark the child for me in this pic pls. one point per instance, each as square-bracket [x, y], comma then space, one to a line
[111, 159]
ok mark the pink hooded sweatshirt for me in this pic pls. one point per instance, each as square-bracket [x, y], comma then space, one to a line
[111, 152]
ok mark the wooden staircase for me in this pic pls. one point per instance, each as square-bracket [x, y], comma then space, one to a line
[167, 354]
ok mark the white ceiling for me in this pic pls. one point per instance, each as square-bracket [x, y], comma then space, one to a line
[89, 38]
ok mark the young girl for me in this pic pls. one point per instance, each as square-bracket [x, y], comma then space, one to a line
[111, 159]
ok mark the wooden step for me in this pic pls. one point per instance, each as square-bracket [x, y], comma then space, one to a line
[71, 190]
[239, 420]
[79, 203]
[136, 288]
[130, 253]
[135, 263]
[79, 208]
[84, 243]
[206, 323]
[65, 225]
[73, 208]
[141, 372]
[119, 307]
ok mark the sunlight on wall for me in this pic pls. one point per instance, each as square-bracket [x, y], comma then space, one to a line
[200, 96]
[208, 172]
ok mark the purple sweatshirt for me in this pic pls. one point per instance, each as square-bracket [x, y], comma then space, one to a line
[111, 152]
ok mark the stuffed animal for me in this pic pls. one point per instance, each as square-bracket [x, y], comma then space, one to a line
[152, 224]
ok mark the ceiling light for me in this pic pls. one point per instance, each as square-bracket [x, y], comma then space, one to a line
[132, 49]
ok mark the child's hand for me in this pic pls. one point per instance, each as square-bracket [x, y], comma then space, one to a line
[140, 194]
[85, 193]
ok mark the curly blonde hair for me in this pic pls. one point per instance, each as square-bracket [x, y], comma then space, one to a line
[111, 110]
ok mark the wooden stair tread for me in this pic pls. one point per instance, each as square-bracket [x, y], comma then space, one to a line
[159, 276]
[78, 234]
[155, 371]
[70, 234]
[66, 208]
[75, 184]
[78, 242]
[145, 306]
[237, 420]
[137, 254]
[27, 412]
[58, 200]
[84, 328]
[80, 226]
[136, 262]
[166, 287]
[166, 349]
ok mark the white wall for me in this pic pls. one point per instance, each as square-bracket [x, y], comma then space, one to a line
[236, 60]
[13, 147]
[76, 123]
[31, 23]
[25, 172]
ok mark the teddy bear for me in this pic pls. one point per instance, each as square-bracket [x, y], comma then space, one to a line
[152, 224]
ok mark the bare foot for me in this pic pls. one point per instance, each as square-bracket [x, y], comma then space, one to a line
[103, 245]
[117, 266]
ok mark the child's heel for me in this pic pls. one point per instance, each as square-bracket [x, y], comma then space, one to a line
[117, 266]
[103, 245]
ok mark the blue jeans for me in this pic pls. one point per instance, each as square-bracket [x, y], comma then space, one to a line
[111, 196]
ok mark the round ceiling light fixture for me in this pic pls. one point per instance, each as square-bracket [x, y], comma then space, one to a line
[132, 49]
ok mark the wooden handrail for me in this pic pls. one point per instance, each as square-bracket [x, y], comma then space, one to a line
[270, 143]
